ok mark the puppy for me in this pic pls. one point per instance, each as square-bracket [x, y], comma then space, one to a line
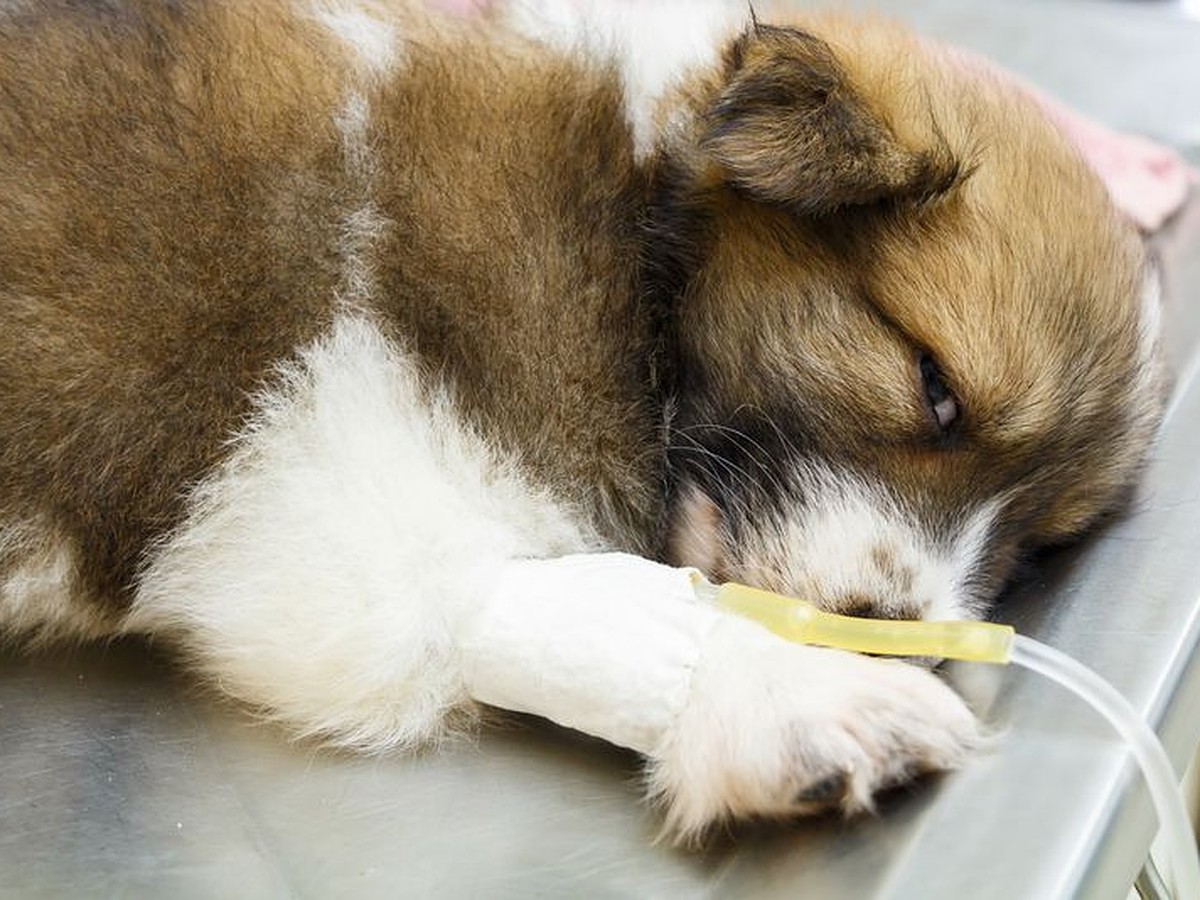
[390, 366]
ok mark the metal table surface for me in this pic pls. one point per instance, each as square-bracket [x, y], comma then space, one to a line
[118, 778]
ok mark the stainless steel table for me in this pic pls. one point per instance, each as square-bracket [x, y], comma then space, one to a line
[119, 779]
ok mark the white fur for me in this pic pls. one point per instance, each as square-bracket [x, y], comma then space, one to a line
[361, 229]
[1149, 334]
[1150, 317]
[826, 551]
[353, 121]
[966, 553]
[768, 723]
[373, 40]
[653, 44]
[321, 572]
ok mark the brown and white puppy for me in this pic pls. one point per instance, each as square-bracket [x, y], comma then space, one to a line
[342, 344]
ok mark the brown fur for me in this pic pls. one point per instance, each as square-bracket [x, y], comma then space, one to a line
[171, 232]
[166, 240]
[513, 265]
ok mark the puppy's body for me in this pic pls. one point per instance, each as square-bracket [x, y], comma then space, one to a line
[316, 317]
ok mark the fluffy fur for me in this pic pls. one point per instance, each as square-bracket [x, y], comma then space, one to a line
[317, 315]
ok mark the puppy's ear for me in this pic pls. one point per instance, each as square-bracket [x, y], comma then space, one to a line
[789, 128]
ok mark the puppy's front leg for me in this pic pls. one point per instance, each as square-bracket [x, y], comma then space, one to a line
[736, 722]
[602, 643]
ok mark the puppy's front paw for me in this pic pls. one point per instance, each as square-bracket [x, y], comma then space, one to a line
[776, 730]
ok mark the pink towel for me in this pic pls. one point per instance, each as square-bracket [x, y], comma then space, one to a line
[1147, 181]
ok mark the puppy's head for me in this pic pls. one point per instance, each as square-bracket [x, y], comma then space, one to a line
[913, 338]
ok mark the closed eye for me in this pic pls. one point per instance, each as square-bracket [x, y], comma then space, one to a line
[942, 403]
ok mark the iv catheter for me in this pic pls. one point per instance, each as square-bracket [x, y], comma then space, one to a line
[799, 621]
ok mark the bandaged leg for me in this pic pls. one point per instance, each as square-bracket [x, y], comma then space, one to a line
[736, 722]
[604, 643]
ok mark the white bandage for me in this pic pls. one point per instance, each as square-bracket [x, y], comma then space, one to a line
[602, 643]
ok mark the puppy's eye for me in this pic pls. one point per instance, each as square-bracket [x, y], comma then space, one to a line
[941, 402]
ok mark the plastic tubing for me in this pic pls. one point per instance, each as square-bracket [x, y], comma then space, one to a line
[803, 623]
[1183, 863]
[799, 621]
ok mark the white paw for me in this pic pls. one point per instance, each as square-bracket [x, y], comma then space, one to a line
[776, 730]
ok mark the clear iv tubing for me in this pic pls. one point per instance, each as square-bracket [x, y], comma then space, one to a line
[1183, 864]
[804, 623]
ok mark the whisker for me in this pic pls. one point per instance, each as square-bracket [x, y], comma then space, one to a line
[742, 441]
[707, 460]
